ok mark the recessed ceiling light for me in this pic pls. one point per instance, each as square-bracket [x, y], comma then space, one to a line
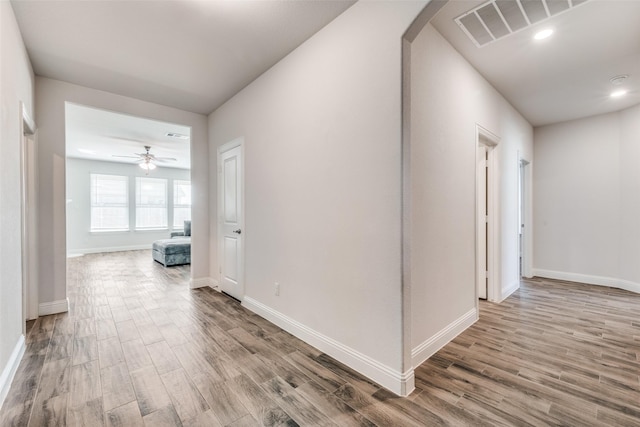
[177, 135]
[85, 151]
[618, 93]
[541, 35]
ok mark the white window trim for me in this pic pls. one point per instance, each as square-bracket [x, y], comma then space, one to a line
[91, 205]
[166, 205]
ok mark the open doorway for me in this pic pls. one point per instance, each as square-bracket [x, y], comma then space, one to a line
[128, 183]
[486, 214]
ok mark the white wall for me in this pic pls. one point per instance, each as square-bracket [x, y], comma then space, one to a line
[51, 96]
[448, 99]
[587, 200]
[322, 132]
[630, 196]
[80, 239]
[16, 85]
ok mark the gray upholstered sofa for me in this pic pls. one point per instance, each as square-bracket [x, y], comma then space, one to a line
[176, 250]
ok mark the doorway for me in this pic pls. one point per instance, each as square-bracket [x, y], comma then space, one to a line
[231, 218]
[524, 216]
[127, 180]
[486, 214]
[28, 194]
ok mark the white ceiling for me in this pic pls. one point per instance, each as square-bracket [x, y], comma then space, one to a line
[192, 55]
[99, 135]
[566, 76]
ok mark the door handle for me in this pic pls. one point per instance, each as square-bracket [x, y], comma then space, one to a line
[238, 231]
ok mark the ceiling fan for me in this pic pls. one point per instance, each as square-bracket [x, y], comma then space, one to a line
[147, 161]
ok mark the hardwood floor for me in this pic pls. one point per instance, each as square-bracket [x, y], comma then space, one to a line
[139, 348]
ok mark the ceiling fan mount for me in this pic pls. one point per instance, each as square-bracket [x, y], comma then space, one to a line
[148, 156]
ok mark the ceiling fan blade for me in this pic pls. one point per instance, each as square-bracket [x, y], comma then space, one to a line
[148, 157]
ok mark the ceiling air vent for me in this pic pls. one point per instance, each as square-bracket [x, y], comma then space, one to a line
[496, 19]
[177, 135]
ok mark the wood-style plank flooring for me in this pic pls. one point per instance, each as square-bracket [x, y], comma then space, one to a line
[139, 348]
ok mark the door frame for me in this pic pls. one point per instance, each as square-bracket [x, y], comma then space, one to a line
[238, 142]
[28, 216]
[491, 140]
[525, 201]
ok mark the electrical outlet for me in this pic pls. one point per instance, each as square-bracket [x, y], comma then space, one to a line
[277, 289]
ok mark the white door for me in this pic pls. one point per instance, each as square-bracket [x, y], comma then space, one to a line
[230, 216]
[482, 226]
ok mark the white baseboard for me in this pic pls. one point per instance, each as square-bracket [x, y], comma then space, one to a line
[53, 307]
[10, 369]
[586, 278]
[509, 290]
[429, 347]
[79, 252]
[74, 255]
[201, 282]
[400, 383]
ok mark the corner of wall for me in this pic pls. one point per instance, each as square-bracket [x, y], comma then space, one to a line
[400, 383]
[431, 346]
[506, 292]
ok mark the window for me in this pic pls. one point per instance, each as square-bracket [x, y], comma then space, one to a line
[109, 202]
[181, 202]
[151, 203]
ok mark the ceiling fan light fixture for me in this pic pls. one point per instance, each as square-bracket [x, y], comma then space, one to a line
[147, 165]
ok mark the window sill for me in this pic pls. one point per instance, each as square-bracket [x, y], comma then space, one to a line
[119, 231]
